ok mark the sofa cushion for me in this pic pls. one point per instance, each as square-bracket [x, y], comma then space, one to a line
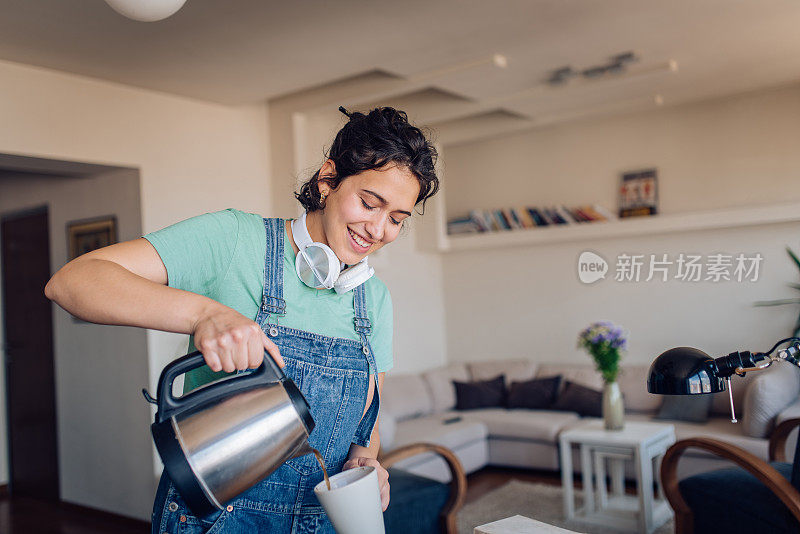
[541, 425]
[480, 394]
[405, 396]
[387, 427]
[767, 395]
[580, 399]
[790, 412]
[519, 370]
[440, 385]
[632, 381]
[690, 408]
[534, 394]
[473, 456]
[585, 375]
[432, 429]
[719, 428]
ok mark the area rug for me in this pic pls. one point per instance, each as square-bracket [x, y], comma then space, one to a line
[542, 502]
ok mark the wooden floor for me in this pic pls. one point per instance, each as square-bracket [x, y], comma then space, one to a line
[485, 480]
[27, 516]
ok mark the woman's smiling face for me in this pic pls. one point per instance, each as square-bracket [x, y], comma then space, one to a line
[365, 212]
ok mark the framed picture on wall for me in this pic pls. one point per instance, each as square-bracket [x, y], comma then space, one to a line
[87, 235]
[638, 193]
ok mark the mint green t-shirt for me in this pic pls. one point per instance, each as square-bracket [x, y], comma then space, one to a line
[221, 255]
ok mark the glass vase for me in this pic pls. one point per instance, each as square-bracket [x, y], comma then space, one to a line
[613, 407]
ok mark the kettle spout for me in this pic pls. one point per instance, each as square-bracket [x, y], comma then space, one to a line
[303, 449]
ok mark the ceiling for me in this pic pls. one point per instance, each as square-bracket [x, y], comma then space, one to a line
[247, 51]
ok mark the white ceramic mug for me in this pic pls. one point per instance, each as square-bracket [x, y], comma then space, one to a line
[353, 503]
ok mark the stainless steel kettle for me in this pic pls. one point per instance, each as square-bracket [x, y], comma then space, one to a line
[221, 439]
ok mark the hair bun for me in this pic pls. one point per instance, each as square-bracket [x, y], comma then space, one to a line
[370, 141]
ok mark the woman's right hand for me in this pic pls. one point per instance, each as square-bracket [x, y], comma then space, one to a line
[229, 341]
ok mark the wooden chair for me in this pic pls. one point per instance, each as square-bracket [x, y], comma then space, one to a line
[776, 482]
[457, 486]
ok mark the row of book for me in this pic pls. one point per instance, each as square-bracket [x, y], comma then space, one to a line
[519, 218]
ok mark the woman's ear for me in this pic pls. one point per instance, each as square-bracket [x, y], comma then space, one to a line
[326, 174]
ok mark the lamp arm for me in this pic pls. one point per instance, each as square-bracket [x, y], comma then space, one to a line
[790, 353]
[743, 362]
[740, 363]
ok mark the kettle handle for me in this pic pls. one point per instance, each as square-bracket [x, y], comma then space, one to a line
[267, 373]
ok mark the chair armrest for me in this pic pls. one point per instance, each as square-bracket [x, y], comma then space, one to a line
[458, 480]
[777, 441]
[764, 472]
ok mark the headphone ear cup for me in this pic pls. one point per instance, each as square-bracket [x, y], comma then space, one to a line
[317, 266]
[353, 276]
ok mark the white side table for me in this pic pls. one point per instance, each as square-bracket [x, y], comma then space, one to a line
[642, 443]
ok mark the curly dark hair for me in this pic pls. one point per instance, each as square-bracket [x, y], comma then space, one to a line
[370, 141]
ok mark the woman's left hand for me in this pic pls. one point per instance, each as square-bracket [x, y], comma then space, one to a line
[383, 475]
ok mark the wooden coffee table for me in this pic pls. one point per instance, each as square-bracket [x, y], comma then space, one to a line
[642, 443]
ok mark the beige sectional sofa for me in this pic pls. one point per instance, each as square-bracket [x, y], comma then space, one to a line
[420, 407]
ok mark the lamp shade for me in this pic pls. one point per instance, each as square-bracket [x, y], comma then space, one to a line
[684, 371]
[146, 10]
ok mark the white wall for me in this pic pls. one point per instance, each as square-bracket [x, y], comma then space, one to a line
[528, 302]
[192, 157]
[735, 151]
[99, 370]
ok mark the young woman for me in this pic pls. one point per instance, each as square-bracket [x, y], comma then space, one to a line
[238, 285]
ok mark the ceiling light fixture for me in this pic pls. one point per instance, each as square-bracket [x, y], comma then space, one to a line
[616, 65]
[500, 60]
[146, 10]
[559, 77]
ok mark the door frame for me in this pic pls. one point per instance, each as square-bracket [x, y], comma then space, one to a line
[10, 216]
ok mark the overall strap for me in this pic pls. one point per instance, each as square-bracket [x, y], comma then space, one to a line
[363, 328]
[362, 323]
[272, 302]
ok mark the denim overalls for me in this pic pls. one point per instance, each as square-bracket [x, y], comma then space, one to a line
[333, 374]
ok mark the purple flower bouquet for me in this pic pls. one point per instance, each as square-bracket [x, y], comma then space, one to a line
[604, 342]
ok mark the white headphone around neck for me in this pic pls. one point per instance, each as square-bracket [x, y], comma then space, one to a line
[318, 266]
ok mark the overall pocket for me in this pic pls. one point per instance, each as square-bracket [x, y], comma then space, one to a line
[189, 524]
[178, 519]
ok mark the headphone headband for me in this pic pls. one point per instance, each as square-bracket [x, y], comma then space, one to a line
[300, 232]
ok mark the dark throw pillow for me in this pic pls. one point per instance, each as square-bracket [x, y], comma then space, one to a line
[689, 408]
[584, 401]
[482, 394]
[536, 394]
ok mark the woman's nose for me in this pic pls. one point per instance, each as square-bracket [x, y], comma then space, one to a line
[375, 227]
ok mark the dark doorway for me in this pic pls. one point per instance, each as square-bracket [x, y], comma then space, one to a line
[30, 372]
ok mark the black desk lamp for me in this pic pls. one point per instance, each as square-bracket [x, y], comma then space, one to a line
[688, 371]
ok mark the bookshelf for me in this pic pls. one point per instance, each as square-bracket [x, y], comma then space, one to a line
[636, 226]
